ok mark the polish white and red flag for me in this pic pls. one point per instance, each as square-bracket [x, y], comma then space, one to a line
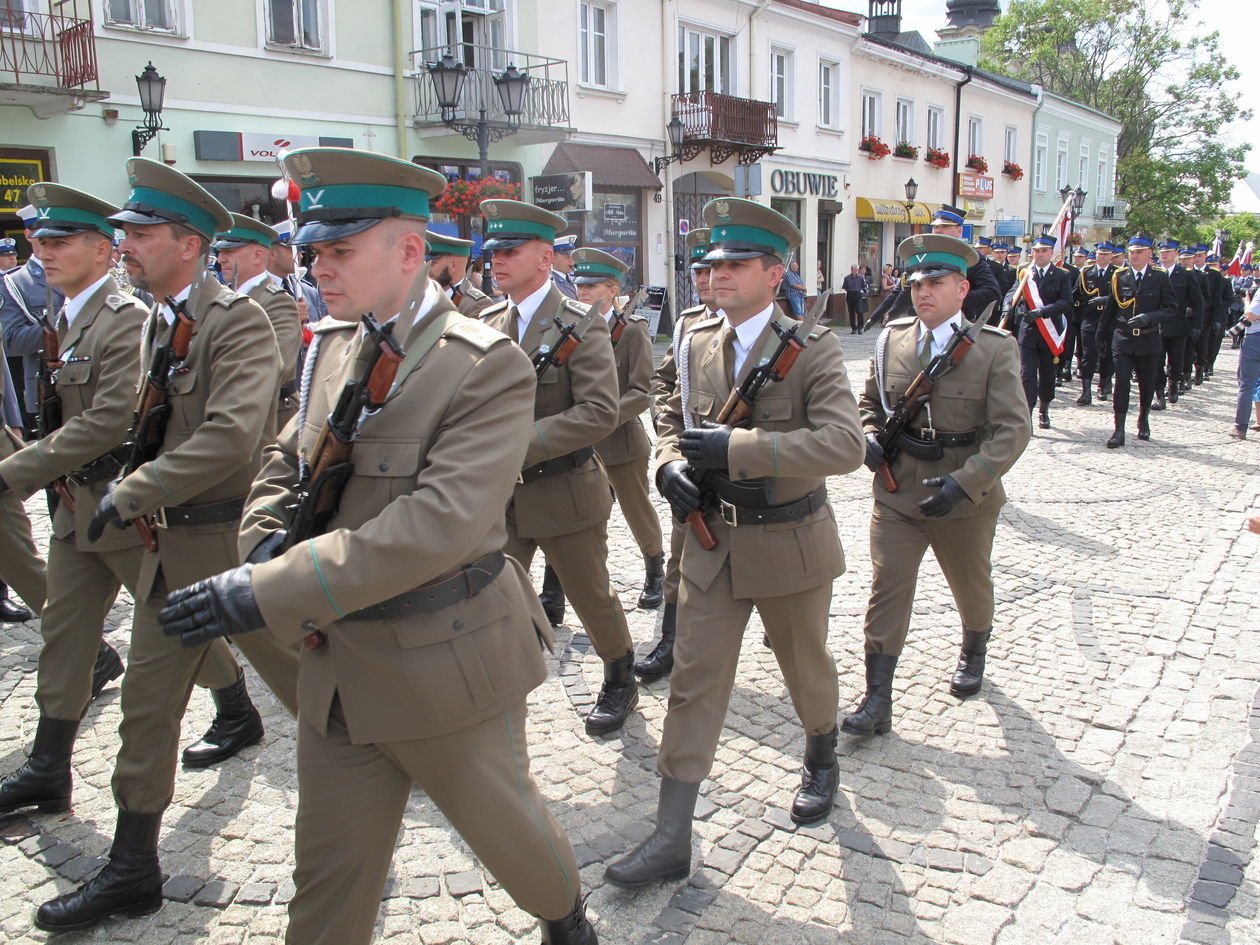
[1049, 327]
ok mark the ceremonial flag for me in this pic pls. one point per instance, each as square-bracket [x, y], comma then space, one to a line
[1217, 244]
[1235, 264]
[1049, 327]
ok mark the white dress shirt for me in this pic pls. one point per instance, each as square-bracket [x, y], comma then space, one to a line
[75, 305]
[528, 306]
[746, 334]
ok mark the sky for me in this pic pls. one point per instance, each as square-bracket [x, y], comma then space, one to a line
[1238, 44]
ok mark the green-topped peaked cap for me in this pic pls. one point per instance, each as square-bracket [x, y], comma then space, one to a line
[510, 223]
[64, 211]
[441, 244]
[245, 230]
[591, 266]
[928, 255]
[745, 229]
[161, 194]
[344, 191]
[698, 247]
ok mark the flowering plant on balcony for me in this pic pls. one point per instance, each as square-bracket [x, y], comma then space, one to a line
[905, 149]
[1012, 170]
[977, 164]
[937, 157]
[463, 197]
[874, 148]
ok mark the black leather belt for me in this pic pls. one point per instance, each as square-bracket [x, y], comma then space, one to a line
[101, 469]
[467, 582]
[552, 467]
[945, 437]
[213, 513]
[737, 515]
[1139, 332]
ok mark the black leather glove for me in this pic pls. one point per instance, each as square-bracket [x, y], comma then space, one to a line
[1139, 321]
[679, 491]
[270, 547]
[874, 452]
[946, 500]
[216, 607]
[106, 513]
[705, 447]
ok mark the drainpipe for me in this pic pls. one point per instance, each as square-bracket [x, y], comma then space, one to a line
[400, 81]
[1032, 157]
[752, 46]
[667, 42]
[958, 130]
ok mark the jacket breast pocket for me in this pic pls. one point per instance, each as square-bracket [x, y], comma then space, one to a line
[701, 405]
[957, 405]
[773, 413]
[186, 406]
[74, 374]
[386, 469]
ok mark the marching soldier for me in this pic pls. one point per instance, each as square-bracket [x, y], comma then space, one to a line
[282, 267]
[1182, 327]
[1220, 284]
[1046, 305]
[1093, 289]
[24, 302]
[1004, 272]
[562, 502]
[660, 660]
[1141, 299]
[948, 471]
[408, 587]
[8, 254]
[562, 264]
[222, 413]
[20, 563]
[765, 502]
[244, 251]
[98, 341]
[448, 267]
[1211, 290]
[1071, 335]
[625, 451]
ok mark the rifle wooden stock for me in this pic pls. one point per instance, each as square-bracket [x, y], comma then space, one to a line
[618, 326]
[48, 416]
[565, 350]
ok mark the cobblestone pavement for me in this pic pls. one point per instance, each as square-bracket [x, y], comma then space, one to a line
[1104, 788]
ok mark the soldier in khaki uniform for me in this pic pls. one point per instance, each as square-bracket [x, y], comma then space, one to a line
[563, 501]
[948, 471]
[21, 566]
[429, 635]
[765, 501]
[448, 267]
[222, 414]
[660, 660]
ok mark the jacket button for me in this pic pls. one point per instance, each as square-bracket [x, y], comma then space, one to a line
[384, 465]
[309, 626]
[765, 415]
[457, 625]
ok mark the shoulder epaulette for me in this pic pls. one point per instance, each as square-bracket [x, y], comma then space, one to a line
[819, 331]
[694, 310]
[328, 323]
[993, 329]
[273, 288]
[499, 306]
[478, 334]
[636, 318]
[574, 306]
[229, 298]
[117, 303]
[902, 322]
[706, 323]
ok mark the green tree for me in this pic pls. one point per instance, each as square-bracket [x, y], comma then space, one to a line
[1240, 229]
[1147, 66]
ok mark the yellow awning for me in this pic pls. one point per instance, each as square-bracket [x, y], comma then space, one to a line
[892, 211]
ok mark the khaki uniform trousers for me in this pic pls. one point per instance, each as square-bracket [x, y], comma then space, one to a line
[963, 547]
[21, 567]
[629, 485]
[580, 560]
[673, 576]
[351, 800]
[160, 676]
[711, 626]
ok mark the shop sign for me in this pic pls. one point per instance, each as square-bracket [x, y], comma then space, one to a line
[804, 183]
[562, 193]
[973, 185]
[15, 176]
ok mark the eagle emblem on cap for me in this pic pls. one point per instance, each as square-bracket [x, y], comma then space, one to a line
[302, 164]
[722, 208]
[39, 195]
[492, 211]
[918, 241]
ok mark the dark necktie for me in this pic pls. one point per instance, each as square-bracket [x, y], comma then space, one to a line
[728, 353]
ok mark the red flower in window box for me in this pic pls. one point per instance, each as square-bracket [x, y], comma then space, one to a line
[874, 148]
[1012, 170]
[905, 149]
[937, 157]
[463, 197]
[977, 164]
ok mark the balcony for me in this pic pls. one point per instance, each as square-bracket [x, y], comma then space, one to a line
[1112, 210]
[544, 117]
[727, 126]
[48, 60]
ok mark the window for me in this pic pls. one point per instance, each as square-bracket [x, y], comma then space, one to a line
[1101, 192]
[1061, 165]
[781, 82]
[459, 26]
[704, 61]
[1039, 164]
[936, 127]
[975, 136]
[870, 113]
[294, 23]
[596, 27]
[1082, 174]
[828, 84]
[142, 14]
[905, 121]
[1010, 145]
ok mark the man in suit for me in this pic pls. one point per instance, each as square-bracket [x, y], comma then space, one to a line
[448, 266]
[222, 413]
[948, 470]
[562, 502]
[1042, 313]
[1223, 291]
[1093, 289]
[1002, 270]
[660, 660]
[765, 502]
[1210, 288]
[1141, 300]
[1071, 337]
[407, 589]
[1187, 318]
[98, 341]
[562, 264]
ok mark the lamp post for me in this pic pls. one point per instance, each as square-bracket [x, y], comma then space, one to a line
[152, 89]
[448, 75]
[912, 191]
[674, 128]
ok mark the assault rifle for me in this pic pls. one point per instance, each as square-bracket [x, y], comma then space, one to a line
[618, 323]
[48, 413]
[559, 353]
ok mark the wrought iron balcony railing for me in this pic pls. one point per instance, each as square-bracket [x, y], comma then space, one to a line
[726, 125]
[38, 47]
[546, 103]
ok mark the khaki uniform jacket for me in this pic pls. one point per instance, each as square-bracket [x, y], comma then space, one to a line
[223, 412]
[633, 354]
[574, 406]
[97, 385]
[982, 393]
[433, 471]
[472, 301]
[803, 429]
[283, 314]
[665, 379]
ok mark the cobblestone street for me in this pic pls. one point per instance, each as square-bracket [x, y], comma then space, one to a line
[1103, 788]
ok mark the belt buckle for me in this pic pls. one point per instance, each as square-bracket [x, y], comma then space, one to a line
[159, 517]
[1136, 332]
[728, 512]
[928, 431]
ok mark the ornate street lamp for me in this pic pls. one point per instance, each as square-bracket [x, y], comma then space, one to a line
[674, 129]
[511, 86]
[152, 88]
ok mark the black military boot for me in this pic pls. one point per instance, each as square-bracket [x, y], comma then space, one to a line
[574, 929]
[660, 661]
[1172, 392]
[654, 576]
[1144, 427]
[1159, 403]
[1043, 417]
[666, 854]
[552, 597]
[1104, 389]
[44, 781]
[109, 666]
[874, 713]
[1087, 396]
[129, 884]
[13, 613]
[1198, 375]
[1117, 437]
[970, 672]
[618, 695]
[814, 800]
[236, 725]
